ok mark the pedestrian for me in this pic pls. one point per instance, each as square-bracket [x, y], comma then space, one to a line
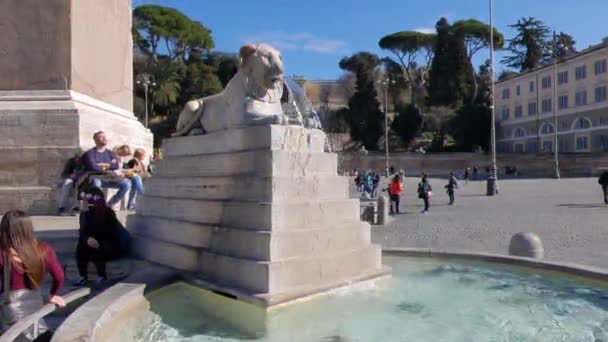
[451, 187]
[24, 263]
[425, 191]
[475, 172]
[467, 175]
[98, 238]
[394, 190]
[603, 180]
[376, 185]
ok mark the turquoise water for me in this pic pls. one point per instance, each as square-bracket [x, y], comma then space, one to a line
[425, 300]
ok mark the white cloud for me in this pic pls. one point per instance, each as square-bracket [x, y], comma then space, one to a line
[425, 30]
[301, 41]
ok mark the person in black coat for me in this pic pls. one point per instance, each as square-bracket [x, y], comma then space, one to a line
[99, 236]
[603, 180]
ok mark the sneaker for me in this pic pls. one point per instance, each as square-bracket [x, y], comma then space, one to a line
[82, 281]
[100, 281]
[61, 212]
[131, 207]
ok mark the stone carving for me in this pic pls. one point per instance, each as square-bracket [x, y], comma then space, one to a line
[252, 97]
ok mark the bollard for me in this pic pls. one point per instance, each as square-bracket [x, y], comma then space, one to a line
[384, 205]
[526, 245]
[491, 187]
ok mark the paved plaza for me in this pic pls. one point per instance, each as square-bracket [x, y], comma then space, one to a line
[567, 214]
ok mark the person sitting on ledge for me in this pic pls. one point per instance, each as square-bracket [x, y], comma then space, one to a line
[23, 264]
[139, 172]
[105, 162]
[98, 237]
[74, 169]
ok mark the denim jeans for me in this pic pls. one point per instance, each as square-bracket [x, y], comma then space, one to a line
[123, 187]
[137, 187]
[67, 186]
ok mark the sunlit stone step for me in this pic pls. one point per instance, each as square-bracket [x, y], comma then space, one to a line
[281, 276]
[252, 215]
[258, 245]
[250, 188]
[287, 138]
[262, 163]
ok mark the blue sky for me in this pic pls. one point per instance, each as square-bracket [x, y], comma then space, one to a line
[313, 35]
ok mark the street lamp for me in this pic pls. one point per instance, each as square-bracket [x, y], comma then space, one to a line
[385, 83]
[555, 102]
[146, 80]
[492, 186]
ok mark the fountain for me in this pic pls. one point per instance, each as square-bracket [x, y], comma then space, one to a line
[254, 208]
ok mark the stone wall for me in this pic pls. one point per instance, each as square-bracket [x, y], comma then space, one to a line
[440, 164]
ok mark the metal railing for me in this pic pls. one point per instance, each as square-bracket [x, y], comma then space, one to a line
[23, 324]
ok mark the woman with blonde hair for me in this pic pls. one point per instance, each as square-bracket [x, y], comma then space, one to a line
[24, 263]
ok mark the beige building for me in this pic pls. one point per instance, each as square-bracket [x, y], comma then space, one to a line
[525, 106]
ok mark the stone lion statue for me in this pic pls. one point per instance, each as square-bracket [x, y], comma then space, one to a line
[252, 97]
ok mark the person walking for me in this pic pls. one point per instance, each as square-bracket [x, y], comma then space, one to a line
[603, 181]
[451, 187]
[394, 191]
[375, 185]
[24, 263]
[467, 175]
[425, 192]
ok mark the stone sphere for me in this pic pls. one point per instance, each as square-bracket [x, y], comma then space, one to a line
[526, 245]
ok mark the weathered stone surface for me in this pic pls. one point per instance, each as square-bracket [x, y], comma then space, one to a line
[252, 215]
[278, 277]
[262, 163]
[250, 188]
[383, 209]
[271, 137]
[253, 244]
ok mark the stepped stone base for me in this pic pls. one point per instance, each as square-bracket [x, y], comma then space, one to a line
[258, 212]
[40, 130]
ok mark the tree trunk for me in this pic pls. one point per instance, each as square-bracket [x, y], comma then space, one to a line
[475, 87]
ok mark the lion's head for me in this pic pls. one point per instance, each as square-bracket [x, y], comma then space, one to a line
[263, 66]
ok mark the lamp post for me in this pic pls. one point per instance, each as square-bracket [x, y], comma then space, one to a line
[385, 83]
[145, 80]
[555, 105]
[492, 186]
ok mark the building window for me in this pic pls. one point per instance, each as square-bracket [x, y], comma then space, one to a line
[581, 72]
[532, 108]
[547, 105]
[562, 102]
[519, 111]
[582, 123]
[581, 98]
[562, 77]
[531, 86]
[582, 143]
[520, 133]
[517, 90]
[506, 93]
[603, 121]
[564, 126]
[546, 82]
[531, 147]
[600, 67]
[547, 146]
[547, 129]
[600, 94]
[505, 114]
[519, 148]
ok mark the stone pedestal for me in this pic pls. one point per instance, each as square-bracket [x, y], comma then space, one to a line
[258, 212]
[66, 73]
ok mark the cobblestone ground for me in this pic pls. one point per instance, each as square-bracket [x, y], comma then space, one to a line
[567, 214]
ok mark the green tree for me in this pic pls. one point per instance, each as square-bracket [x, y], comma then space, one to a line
[462, 76]
[364, 116]
[407, 123]
[154, 24]
[407, 46]
[529, 46]
[477, 36]
[565, 44]
[471, 126]
[439, 92]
